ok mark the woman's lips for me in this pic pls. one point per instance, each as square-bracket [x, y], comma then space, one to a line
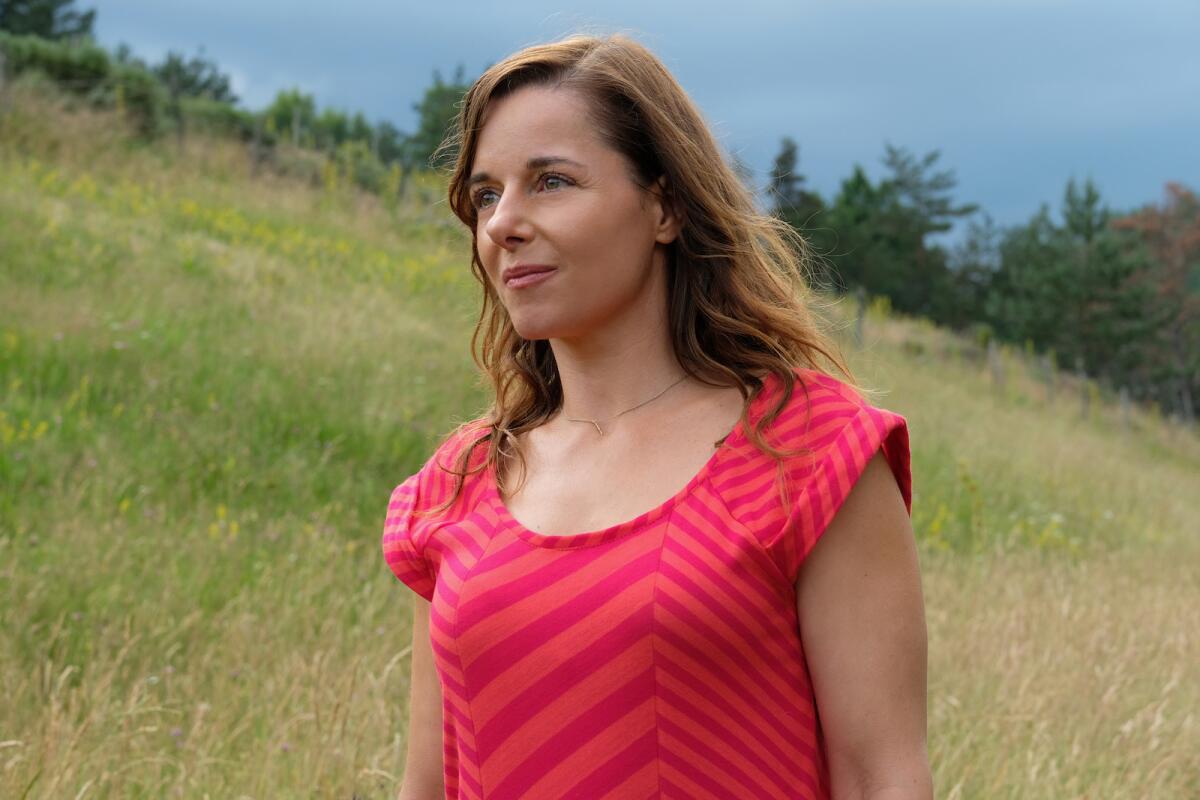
[529, 279]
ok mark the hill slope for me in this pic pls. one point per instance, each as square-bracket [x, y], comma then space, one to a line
[209, 384]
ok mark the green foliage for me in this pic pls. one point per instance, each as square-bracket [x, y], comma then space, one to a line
[924, 197]
[1170, 234]
[175, 352]
[218, 118]
[1074, 288]
[79, 67]
[436, 112]
[972, 265]
[389, 142]
[356, 161]
[180, 93]
[796, 205]
[87, 70]
[1120, 295]
[876, 235]
[291, 115]
[49, 19]
[141, 96]
[194, 77]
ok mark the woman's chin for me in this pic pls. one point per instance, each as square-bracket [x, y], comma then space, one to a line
[535, 329]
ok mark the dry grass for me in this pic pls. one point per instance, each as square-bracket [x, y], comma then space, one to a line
[210, 384]
[1056, 680]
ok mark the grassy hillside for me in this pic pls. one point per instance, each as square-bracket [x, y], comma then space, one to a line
[209, 385]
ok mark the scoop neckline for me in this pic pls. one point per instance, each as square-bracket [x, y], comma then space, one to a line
[600, 535]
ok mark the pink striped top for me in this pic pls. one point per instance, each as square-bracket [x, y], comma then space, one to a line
[656, 658]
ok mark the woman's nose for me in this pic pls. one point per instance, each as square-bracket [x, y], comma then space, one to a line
[508, 224]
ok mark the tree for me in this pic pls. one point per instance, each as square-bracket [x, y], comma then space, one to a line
[861, 252]
[973, 266]
[330, 129]
[918, 205]
[389, 142]
[875, 235]
[436, 112]
[1075, 289]
[784, 183]
[359, 130]
[1171, 233]
[926, 196]
[291, 116]
[791, 201]
[49, 19]
[1031, 284]
[194, 77]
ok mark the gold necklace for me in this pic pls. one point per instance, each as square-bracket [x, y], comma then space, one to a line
[596, 422]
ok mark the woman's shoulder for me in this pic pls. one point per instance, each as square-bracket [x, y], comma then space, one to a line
[461, 438]
[434, 483]
[815, 405]
[826, 431]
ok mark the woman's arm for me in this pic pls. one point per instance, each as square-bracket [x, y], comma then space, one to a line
[423, 778]
[862, 624]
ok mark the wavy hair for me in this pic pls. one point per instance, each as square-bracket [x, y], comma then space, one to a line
[740, 305]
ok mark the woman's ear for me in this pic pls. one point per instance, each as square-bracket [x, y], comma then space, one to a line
[670, 217]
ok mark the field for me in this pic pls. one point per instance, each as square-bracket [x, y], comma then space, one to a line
[210, 383]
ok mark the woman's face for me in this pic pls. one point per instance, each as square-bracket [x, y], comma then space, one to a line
[551, 195]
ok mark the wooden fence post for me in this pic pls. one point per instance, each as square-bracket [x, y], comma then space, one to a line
[1186, 412]
[1051, 377]
[256, 148]
[405, 168]
[995, 362]
[1084, 395]
[861, 295]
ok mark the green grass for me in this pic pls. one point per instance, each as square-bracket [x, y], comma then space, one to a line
[209, 384]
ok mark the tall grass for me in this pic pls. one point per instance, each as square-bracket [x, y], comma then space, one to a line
[209, 384]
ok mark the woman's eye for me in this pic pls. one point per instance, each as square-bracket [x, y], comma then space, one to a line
[552, 182]
[481, 197]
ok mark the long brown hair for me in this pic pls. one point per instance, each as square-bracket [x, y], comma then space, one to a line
[740, 305]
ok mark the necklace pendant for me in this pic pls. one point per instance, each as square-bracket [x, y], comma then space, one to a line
[597, 424]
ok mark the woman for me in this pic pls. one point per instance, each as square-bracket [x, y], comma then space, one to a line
[631, 578]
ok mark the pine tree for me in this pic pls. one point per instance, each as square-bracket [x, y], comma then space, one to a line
[790, 200]
[194, 77]
[1171, 234]
[1075, 288]
[49, 19]
[436, 112]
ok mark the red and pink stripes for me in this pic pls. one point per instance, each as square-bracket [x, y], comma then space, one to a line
[655, 658]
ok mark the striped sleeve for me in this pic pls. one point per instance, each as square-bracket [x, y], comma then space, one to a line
[840, 459]
[400, 549]
[406, 533]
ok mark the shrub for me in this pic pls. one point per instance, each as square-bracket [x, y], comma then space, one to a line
[87, 70]
[218, 118]
[81, 67]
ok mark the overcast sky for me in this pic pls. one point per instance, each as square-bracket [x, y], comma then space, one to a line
[1019, 95]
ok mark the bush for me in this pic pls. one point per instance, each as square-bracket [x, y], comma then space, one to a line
[87, 70]
[142, 97]
[81, 68]
[356, 161]
[215, 117]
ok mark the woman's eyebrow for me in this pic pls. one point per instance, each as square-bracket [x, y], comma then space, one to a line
[537, 162]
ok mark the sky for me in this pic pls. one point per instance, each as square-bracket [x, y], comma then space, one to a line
[1019, 96]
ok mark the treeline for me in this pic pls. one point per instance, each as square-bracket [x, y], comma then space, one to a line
[1115, 295]
[183, 94]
